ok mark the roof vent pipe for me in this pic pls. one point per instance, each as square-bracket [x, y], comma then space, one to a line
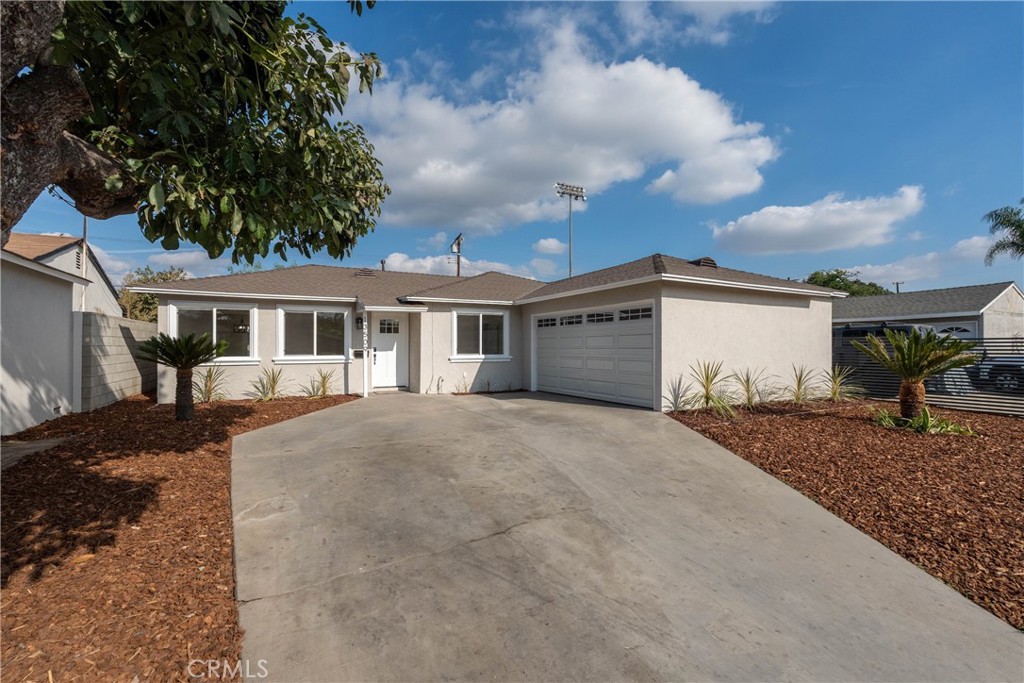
[382, 262]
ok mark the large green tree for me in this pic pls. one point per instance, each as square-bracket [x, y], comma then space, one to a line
[845, 281]
[217, 123]
[1008, 224]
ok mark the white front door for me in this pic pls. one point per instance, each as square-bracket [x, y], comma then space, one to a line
[390, 350]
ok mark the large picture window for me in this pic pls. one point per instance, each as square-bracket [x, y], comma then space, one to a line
[308, 333]
[220, 322]
[481, 335]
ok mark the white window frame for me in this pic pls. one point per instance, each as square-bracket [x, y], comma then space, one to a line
[457, 357]
[281, 358]
[253, 359]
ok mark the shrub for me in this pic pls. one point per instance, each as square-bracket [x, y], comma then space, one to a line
[801, 390]
[268, 386]
[319, 385]
[182, 353]
[210, 385]
[710, 393]
[753, 389]
[676, 396]
[838, 384]
[924, 423]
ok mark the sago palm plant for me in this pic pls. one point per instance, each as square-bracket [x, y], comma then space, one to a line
[183, 354]
[914, 358]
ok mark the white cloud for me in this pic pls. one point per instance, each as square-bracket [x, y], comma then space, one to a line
[829, 223]
[543, 267]
[113, 266]
[573, 117]
[916, 236]
[930, 266]
[550, 245]
[437, 241]
[445, 265]
[644, 23]
[196, 263]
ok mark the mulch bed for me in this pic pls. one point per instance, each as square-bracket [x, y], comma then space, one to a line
[952, 505]
[117, 544]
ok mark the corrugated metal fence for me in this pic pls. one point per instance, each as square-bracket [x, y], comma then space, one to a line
[995, 384]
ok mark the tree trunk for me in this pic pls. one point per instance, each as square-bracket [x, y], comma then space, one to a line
[184, 407]
[36, 107]
[911, 399]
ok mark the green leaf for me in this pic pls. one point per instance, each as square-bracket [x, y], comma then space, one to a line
[156, 196]
[113, 183]
[236, 221]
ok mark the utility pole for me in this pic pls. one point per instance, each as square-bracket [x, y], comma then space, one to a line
[457, 250]
[898, 286]
[572, 192]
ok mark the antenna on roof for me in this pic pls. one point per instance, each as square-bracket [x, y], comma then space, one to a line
[457, 250]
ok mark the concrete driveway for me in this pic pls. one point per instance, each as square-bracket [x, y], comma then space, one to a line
[532, 537]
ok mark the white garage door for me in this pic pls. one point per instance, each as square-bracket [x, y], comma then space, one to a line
[603, 354]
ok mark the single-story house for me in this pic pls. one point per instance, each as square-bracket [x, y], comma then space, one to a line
[992, 311]
[620, 334]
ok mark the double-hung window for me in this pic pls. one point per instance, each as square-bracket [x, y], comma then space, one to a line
[480, 335]
[234, 323]
[311, 334]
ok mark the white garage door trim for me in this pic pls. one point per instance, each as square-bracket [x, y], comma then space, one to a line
[616, 308]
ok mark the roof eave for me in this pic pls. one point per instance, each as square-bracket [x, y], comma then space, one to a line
[447, 300]
[914, 316]
[34, 265]
[239, 295]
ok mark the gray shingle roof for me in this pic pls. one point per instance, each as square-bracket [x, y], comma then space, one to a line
[904, 305]
[372, 287]
[489, 286]
[659, 264]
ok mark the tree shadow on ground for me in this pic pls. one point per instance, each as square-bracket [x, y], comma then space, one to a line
[80, 494]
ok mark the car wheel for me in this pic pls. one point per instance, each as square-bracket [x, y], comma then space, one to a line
[1007, 380]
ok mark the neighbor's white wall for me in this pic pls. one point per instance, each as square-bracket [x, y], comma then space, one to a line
[437, 374]
[98, 297]
[1005, 317]
[38, 345]
[348, 378]
[743, 329]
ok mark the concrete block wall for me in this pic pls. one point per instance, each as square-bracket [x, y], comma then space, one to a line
[110, 370]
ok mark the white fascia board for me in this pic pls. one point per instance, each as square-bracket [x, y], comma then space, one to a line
[394, 309]
[476, 302]
[241, 295]
[1012, 286]
[44, 269]
[686, 279]
[920, 316]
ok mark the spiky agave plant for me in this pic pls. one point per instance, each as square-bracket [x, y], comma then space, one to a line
[710, 392]
[183, 354]
[914, 358]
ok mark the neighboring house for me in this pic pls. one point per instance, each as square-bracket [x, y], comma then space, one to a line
[620, 334]
[991, 311]
[46, 285]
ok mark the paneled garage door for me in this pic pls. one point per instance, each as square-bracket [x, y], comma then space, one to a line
[604, 354]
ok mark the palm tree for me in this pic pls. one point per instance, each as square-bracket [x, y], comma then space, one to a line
[1008, 222]
[182, 354]
[914, 358]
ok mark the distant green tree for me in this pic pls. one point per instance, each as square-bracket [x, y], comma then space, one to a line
[144, 306]
[1008, 223]
[845, 281]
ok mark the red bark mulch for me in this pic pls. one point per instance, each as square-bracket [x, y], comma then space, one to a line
[117, 544]
[952, 505]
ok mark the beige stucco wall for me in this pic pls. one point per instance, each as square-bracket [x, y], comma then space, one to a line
[1005, 316]
[435, 372]
[743, 329]
[348, 376]
[38, 348]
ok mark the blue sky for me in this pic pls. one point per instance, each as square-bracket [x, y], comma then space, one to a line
[779, 138]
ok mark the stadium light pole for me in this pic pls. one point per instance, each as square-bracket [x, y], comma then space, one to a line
[572, 192]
